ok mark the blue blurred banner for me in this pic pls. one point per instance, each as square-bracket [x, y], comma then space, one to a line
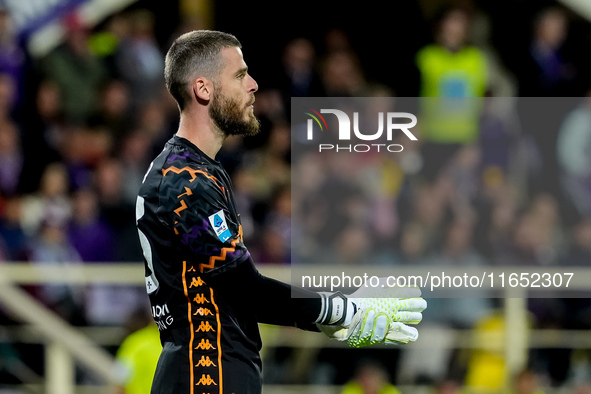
[31, 15]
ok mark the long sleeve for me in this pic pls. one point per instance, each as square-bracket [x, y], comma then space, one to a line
[275, 302]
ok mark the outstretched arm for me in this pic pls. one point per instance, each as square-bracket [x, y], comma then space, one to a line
[366, 317]
[275, 302]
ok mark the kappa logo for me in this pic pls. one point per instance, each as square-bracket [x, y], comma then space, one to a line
[196, 282]
[205, 361]
[200, 299]
[206, 380]
[204, 345]
[205, 327]
[203, 312]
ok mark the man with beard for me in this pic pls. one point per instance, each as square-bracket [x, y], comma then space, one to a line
[206, 294]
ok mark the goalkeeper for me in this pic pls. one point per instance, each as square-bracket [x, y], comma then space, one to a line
[206, 294]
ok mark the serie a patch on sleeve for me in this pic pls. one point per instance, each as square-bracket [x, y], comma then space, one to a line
[218, 222]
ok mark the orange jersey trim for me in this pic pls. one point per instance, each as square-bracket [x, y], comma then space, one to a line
[192, 377]
[193, 172]
[181, 208]
[221, 257]
[217, 314]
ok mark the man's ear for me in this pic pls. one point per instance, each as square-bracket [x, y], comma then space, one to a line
[202, 89]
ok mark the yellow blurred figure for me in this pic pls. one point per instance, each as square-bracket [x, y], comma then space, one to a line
[452, 69]
[138, 356]
[486, 366]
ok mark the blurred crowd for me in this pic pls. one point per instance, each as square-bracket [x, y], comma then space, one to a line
[80, 125]
[505, 183]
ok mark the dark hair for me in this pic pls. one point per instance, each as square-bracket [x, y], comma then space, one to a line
[191, 55]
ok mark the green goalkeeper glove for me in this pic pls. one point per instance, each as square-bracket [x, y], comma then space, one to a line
[372, 315]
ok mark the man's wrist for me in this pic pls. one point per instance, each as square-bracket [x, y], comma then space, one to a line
[336, 309]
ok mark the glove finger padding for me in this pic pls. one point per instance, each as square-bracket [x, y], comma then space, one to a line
[401, 333]
[368, 327]
[416, 304]
[392, 300]
[399, 310]
[407, 317]
[339, 333]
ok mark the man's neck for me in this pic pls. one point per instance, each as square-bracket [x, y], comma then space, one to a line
[202, 133]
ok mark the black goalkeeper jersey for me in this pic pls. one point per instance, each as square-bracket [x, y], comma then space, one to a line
[190, 234]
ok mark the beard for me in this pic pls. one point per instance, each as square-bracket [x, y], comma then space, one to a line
[228, 115]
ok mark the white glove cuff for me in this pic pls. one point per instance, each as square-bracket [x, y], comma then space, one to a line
[336, 309]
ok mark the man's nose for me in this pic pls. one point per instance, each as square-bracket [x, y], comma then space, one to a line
[252, 85]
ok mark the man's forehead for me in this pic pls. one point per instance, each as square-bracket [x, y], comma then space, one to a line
[233, 60]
